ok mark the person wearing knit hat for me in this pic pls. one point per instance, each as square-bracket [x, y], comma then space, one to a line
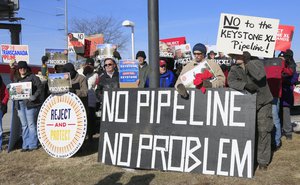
[199, 51]
[143, 69]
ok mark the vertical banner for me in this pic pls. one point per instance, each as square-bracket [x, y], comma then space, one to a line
[129, 73]
[57, 56]
[14, 52]
[238, 33]
[61, 125]
[212, 133]
[284, 37]
[76, 43]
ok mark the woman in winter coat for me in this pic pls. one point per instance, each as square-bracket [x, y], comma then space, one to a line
[28, 109]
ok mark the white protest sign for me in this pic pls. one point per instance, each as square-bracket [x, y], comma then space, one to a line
[238, 33]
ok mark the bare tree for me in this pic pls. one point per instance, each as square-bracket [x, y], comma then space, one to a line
[108, 26]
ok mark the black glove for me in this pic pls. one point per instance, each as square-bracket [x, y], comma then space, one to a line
[182, 91]
[207, 84]
[251, 88]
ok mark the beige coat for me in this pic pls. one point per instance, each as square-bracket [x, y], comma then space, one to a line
[214, 66]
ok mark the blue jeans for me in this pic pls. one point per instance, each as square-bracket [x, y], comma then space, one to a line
[28, 121]
[1, 129]
[276, 120]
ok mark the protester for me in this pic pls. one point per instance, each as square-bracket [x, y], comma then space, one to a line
[79, 84]
[250, 76]
[143, 69]
[287, 99]
[211, 55]
[167, 78]
[4, 96]
[109, 79]
[92, 78]
[116, 54]
[28, 109]
[199, 51]
[275, 69]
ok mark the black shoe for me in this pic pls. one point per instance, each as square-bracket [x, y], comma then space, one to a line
[24, 150]
[263, 167]
[277, 147]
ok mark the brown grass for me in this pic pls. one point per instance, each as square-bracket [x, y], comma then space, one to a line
[38, 167]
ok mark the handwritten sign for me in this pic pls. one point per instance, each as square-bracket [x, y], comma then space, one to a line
[238, 33]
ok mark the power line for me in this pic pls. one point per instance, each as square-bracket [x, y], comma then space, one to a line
[37, 11]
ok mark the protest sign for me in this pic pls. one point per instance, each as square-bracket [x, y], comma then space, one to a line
[165, 50]
[76, 43]
[57, 56]
[59, 82]
[105, 51]
[91, 43]
[128, 73]
[20, 90]
[14, 52]
[174, 41]
[238, 33]
[210, 133]
[284, 37]
[61, 125]
[187, 78]
[183, 54]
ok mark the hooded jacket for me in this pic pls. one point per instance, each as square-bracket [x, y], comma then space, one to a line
[167, 79]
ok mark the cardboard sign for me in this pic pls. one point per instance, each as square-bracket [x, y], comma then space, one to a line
[14, 52]
[187, 78]
[76, 42]
[284, 37]
[129, 73]
[57, 56]
[61, 125]
[238, 33]
[212, 133]
[105, 51]
[183, 54]
[59, 82]
[91, 43]
[165, 50]
[20, 90]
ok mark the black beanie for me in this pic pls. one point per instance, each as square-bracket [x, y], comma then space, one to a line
[22, 64]
[90, 61]
[69, 67]
[44, 59]
[141, 54]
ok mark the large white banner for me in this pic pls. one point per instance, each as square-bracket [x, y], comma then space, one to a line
[238, 33]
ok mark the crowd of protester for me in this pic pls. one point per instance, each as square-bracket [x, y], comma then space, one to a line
[273, 85]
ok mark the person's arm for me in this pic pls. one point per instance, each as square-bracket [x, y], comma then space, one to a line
[287, 70]
[234, 81]
[39, 88]
[6, 95]
[220, 82]
[83, 91]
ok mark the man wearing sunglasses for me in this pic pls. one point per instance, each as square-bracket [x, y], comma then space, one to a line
[167, 78]
[109, 79]
[199, 51]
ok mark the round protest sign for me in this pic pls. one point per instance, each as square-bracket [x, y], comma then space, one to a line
[62, 124]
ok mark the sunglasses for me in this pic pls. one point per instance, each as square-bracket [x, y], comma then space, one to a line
[162, 66]
[108, 65]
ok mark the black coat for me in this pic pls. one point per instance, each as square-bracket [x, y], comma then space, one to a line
[107, 82]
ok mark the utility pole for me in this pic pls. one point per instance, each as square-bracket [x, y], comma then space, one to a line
[66, 21]
[153, 45]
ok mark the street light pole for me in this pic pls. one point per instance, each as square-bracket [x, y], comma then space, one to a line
[66, 21]
[128, 23]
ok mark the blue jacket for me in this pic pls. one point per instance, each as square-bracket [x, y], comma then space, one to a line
[167, 79]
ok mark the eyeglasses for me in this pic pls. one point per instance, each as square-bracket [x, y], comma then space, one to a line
[105, 65]
[162, 66]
